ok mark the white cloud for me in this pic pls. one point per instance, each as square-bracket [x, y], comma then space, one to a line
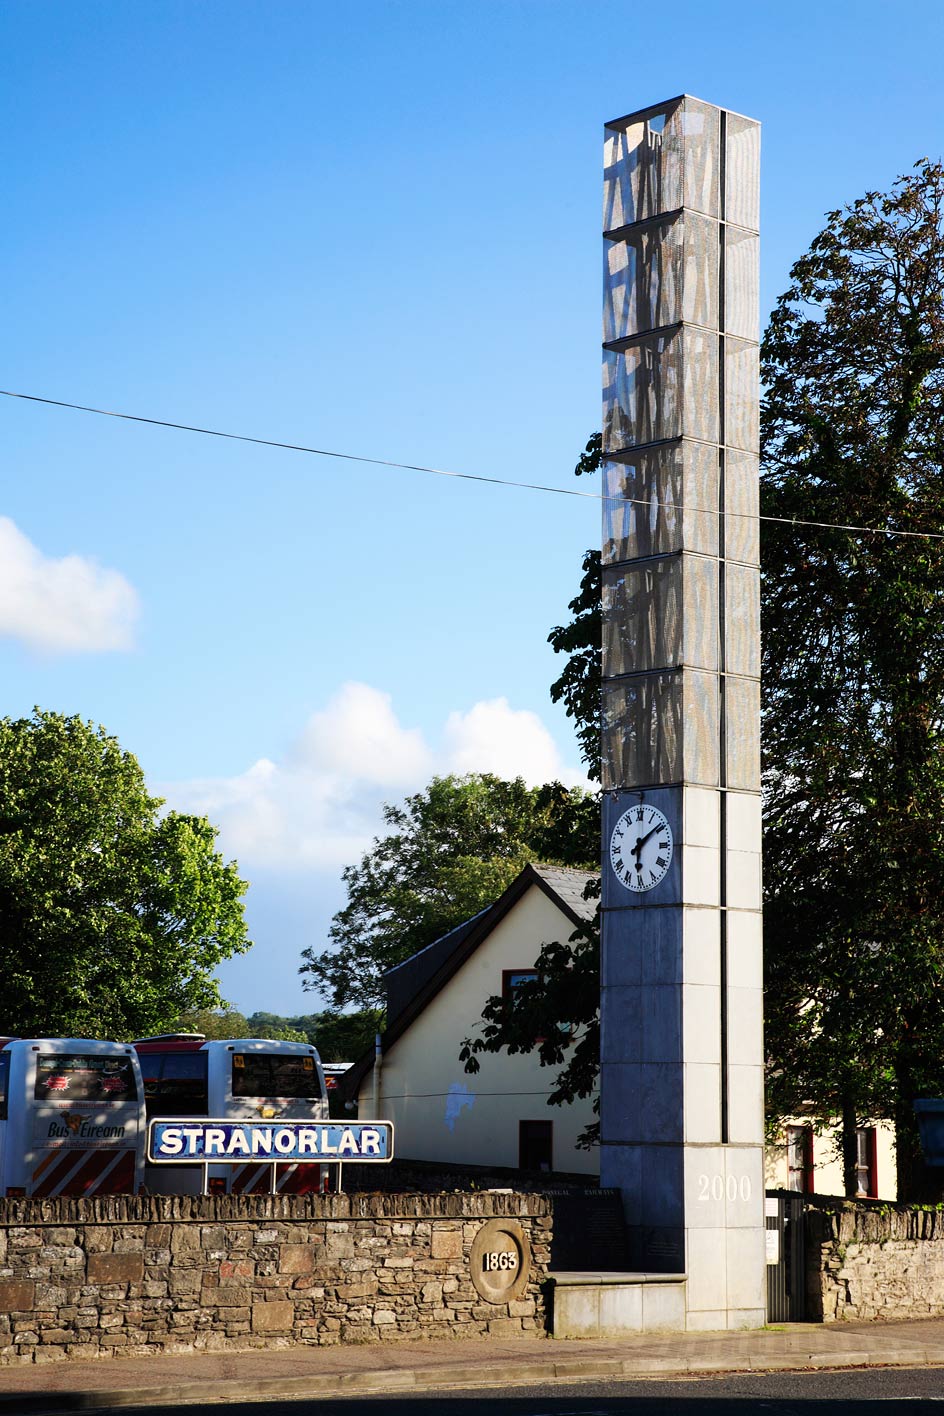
[358, 737]
[494, 737]
[319, 807]
[69, 605]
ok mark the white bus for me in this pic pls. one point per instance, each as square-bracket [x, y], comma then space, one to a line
[71, 1117]
[233, 1079]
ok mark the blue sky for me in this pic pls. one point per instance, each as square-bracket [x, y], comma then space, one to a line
[373, 229]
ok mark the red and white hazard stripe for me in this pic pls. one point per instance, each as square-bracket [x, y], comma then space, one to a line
[86, 1172]
[299, 1179]
[256, 1179]
[251, 1179]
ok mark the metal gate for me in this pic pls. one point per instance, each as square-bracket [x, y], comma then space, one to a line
[786, 1257]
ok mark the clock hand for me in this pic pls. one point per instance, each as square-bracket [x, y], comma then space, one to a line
[637, 848]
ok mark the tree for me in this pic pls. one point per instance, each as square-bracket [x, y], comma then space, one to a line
[273, 1026]
[853, 361]
[343, 1037]
[451, 851]
[112, 916]
[213, 1022]
[339, 1037]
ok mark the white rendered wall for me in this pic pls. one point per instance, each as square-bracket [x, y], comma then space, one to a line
[442, 1113]
[827, 1166]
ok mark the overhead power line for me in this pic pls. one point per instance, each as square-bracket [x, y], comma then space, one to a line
[467, 476]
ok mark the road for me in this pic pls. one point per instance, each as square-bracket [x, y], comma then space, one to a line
[880, 1391]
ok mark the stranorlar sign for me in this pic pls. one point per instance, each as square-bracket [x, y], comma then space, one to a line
[185, 1141]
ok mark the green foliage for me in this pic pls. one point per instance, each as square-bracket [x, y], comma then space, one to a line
[112, 917]
[339, 1037]
[451, 850]
[276, 1027]
[853, 636]
[343, 1037]
[213, 1022]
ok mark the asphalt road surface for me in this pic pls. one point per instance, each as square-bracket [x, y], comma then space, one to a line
[875, 1392]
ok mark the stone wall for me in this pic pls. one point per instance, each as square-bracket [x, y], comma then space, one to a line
[873, 1261]
[130, 1276]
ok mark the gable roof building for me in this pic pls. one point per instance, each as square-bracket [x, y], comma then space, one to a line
[498, 1116]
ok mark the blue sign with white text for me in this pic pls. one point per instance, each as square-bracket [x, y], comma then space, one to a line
[184, 1141]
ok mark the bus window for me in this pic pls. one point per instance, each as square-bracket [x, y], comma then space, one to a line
[282, 1074]
[71, 1077]
[150, 1076]
[183, 1085]
[175, 1083]
[4, 1083]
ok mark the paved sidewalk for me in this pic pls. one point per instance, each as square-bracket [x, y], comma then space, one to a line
[399, 1368]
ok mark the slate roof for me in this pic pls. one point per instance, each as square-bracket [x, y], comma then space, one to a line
[405, 980]
[412, 985]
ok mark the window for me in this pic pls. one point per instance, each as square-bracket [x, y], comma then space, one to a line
[175, 1083]
[535, 1145]
[183, 1084]
[866, 1169]
[275, 1074]
[800, 1159]
[512, 979]
[69, 1077]
[4, 1083]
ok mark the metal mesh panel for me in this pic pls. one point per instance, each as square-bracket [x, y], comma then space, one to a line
[742, 620]
[644, 496]
[701, 141]
[641, 392]
[742, 505]
[643, 389]
[642, 169]
[741, 376]
[642, 731]
[700, 284]
[742, 172]
[642, 281]
[742, 733]
[642, 617]
[700, 622]
[741, 283]
[700, 359]
[701, 728]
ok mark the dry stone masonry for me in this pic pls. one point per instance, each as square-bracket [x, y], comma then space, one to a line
[130, 1276]
[879, 1262]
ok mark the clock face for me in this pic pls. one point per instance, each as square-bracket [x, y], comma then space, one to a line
[641, 847]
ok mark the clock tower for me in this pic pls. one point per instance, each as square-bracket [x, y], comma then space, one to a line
[681, 985]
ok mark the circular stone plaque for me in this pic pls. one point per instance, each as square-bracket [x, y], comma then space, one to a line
[500, 1259]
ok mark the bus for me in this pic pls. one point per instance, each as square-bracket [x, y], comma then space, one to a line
[71, 1117]
[333, 1074]
[233, 1079]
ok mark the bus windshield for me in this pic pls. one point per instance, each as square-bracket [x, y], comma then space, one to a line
[175, 1083]
[97, 1077]
[275, 1074]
